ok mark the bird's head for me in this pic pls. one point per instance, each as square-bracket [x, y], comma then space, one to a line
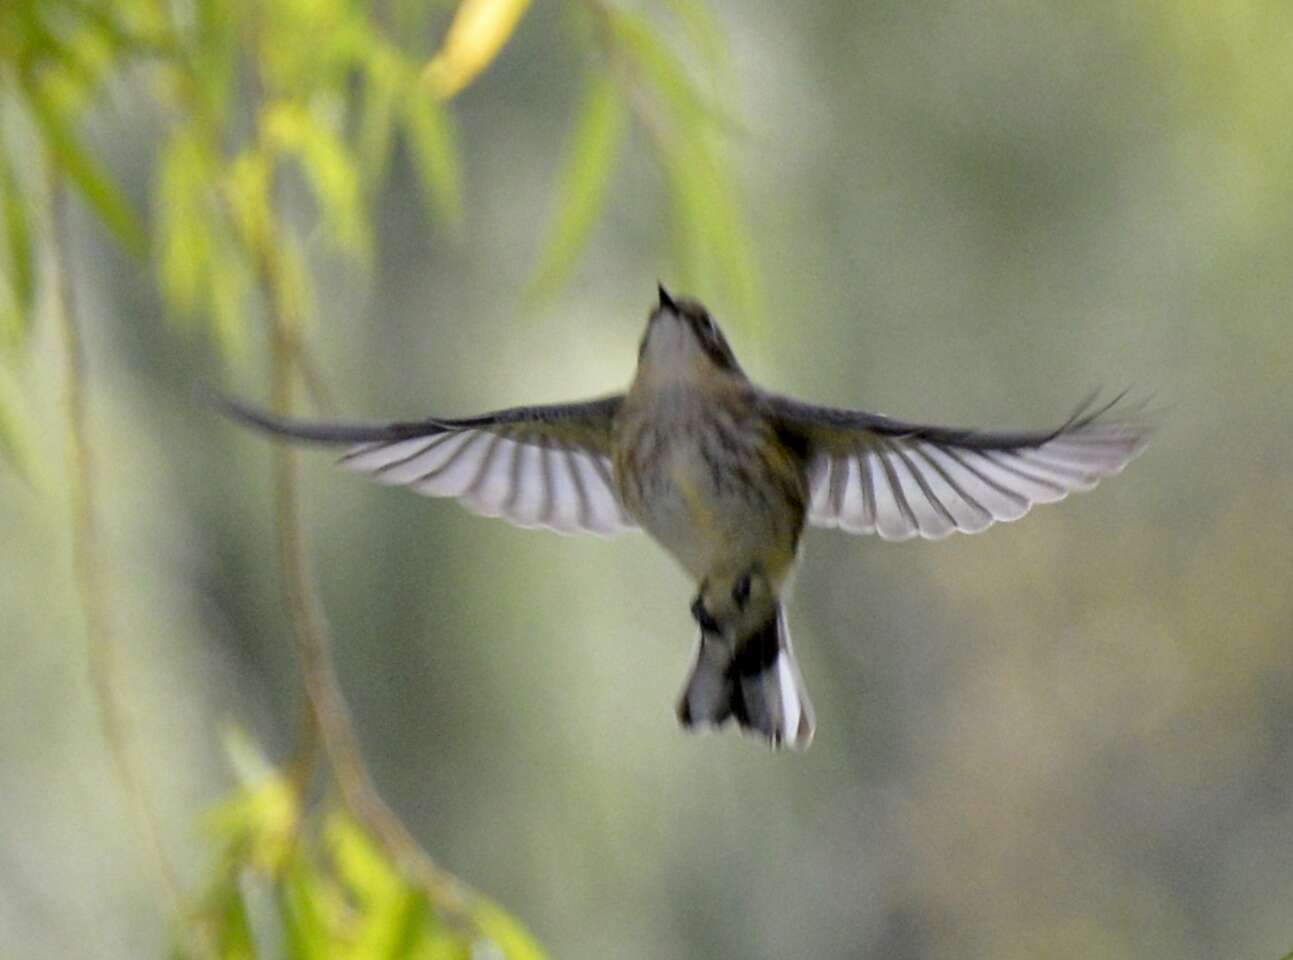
[681, 337]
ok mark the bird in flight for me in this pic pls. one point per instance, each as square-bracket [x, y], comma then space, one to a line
[725, 475]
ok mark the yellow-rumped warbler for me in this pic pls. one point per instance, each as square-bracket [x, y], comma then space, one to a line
[725, 475]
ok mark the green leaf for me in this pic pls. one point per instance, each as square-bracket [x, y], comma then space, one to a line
[233, 935]
[244, 756]
[295, 283]
[246, 191]
[392, 929]
[230, 286]
[184, 224]
[586, 174]
[21, 260]
[729, 237]
[377, 117]
[203, 271]
[395, 914]
[16, 444]
[258, 824]
[328, 166]
[310, 913]
[507, 933]
[434, 145]
[713, 241]
[663, 70]
[360, 865]
[94, 186]
[704, 33]
[440, 945]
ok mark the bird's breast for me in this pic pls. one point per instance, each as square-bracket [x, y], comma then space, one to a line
[707, 478]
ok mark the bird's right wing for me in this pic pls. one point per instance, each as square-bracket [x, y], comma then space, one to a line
[873, 474]
[544, 466]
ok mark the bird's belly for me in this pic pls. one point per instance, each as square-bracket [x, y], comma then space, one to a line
[712, 525]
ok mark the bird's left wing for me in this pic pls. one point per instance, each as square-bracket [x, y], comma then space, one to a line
[873, 474]
[545, 466]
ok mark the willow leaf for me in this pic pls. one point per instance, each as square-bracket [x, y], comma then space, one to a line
[308, 913]
[713, 243]
[328, 166]
[21, 258]
[359, 864]
[729, 240]
[586, 174]
[233, 927]
[92, 183]
[434, 145]
[690, 235]
[377, 118]
[704, 33]
[393, 928]
[662, 69]
[246, 191]
[16, 444]
[477, 33]
[230, 287]
[507, 933]
[183, 226]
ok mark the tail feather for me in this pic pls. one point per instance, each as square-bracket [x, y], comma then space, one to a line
[757, 683]
[709, 692]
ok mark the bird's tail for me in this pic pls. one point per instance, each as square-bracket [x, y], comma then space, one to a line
[756, 682]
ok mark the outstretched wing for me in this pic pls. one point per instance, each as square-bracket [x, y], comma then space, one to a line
[545, 466]
[873, 474]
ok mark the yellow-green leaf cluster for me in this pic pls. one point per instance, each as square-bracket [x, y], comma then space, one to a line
[333, 93]
[335, 894]
[585, 177]
[643, 76]
[55, 57]
[331, 893]
[712, 240]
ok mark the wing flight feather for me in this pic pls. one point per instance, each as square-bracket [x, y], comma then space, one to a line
[873, 474]
[544, 466]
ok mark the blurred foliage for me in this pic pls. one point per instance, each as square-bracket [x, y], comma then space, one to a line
[585, 177]
[332, 93]
[332, 90]
[55, 56]
[1065, 739]
[262, 99]
[318, 886]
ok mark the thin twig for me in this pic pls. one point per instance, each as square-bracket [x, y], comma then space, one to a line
[103, 654]
[312, 637]
[316, 385]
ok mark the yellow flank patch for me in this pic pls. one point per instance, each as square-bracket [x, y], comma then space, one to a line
[701, 515]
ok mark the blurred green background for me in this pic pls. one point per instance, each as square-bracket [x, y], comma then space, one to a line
[1067, 737]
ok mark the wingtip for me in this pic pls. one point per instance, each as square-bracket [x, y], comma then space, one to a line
[205, 395]
[1129, 408]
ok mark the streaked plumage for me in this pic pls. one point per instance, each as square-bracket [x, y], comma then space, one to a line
[725, 475]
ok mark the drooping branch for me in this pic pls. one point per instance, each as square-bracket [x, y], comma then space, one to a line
[326, 703]
[101, 642]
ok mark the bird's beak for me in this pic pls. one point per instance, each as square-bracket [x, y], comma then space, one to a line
[666, 299]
